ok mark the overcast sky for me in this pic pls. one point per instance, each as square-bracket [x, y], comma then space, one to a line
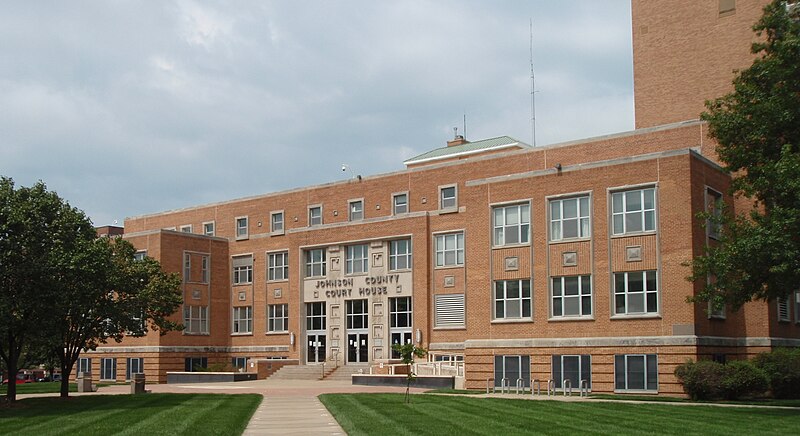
[133, 107]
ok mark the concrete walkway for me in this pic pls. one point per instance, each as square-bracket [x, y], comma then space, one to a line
[292, 416]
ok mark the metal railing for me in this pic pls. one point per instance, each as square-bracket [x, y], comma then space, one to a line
[584, 388]
[551, 387]
[567, 386]
[538, 384]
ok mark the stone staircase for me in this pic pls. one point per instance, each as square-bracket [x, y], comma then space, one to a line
[344, 372]
[300, 372]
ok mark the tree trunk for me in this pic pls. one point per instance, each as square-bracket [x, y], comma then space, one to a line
[67, 361]
[12, 365]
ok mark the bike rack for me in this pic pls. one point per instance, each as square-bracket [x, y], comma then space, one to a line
[584, 388]
[567, 385]
[520, 384]
[538, 384]
[551, 387]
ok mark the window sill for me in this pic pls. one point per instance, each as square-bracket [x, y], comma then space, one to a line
[443, 267]
[459, 327]
[636, 316]
[500, 247]
[717, 317]
[278, 281]
[282, 333]
[626, 235]
[242, 238]
[568, 240]
[243, 284]
[636, 391]
[400, 270]
[446, 210]
[512, 321]
[570, 318]
[277, 233]
[242, 334]
[196, 334]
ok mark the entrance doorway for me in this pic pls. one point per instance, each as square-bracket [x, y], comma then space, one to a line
[357, 347]
[316, 338]
[316, 348]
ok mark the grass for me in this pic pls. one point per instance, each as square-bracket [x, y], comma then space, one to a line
[752, 402]
[385, 414]
[455, 391]
[150, 414]
[44, 388]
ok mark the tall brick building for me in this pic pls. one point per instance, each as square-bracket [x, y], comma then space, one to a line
[558, 262]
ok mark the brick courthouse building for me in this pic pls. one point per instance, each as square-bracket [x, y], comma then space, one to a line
[563, 261]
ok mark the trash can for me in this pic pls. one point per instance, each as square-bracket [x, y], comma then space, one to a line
[137, 383]
[84, 381]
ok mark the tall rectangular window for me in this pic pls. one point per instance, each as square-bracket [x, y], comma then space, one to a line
[140, 255]
[508, 369]
[278, 266]
[356, 259]
[315, 216]
[357, 314]
[400, 322]
[208, 228]
[796, 306]
[242, 270]
[135, 365]
[572, 296]
[636, 372]
[195, 320]
[85, 365]
[278, 318]
[570, 218]
[450, 249]
[512, 299]
[186, 228]
[243, 319]
[315, 262]
[783, 309]
[276, 222]
[574, 368]
[449, 310]
[447, 197]
[356, 210]
[400, 203]
[108, 368]
[399, 254]
[512, 224]
[187, 267]
[239, 362]
[204, 269]
[315, 316]
[241, 228]
[635, 292]
[714, 210]
[633, 211]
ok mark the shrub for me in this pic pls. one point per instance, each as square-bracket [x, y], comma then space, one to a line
[743, 379]
[701, 380]
[782, 368]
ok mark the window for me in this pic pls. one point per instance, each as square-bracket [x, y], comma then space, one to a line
[447, 197]
[186, 229]
[450, 249]
[187, 267]
[636, 372]
[356, 210]
[135, 365]
[512, 368]
[714, 210]
[108, 368]
[400, 203]
[449, 310]
[204, 269]
[512, 299]
[192, 364]
[85, 365]
[195, 320]
[208, 228]
[242, 270]
[239, 362]
[243, 319]
[357, 314]
[572, 296]
[241, 228]
[400, 322]
[569, 218]
[633, 211]
[356, 259]
[276, 222]
[315, 316]
[315, 216]
[140, 255]
[315, 262]
[399, 254]
[278, 318]
[797, 306]
[635, 293]
[278, 266]
[512, 224]
[573, 368]
[783, 309]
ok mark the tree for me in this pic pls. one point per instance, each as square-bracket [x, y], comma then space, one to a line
[64, 289]
[757, 127]
[110, 295]
[407, 353]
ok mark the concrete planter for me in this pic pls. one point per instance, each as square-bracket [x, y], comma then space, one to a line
[422, 381]
[209, 377]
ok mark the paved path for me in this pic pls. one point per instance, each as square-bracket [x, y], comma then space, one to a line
[292, 416]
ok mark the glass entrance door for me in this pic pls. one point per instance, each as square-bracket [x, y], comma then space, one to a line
[357, 348]
[316, 348]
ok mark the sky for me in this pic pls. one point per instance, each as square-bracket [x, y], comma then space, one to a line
[128, 108]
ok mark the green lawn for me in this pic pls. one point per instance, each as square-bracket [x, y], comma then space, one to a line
[39, 388]
[149, 414]
[384, 414]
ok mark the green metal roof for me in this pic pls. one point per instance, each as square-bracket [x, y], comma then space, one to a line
[468, 148]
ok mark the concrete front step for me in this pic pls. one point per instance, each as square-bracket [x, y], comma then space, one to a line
[298, 372]
[345, 372]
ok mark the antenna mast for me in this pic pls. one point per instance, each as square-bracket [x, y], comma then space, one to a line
[533, 93]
